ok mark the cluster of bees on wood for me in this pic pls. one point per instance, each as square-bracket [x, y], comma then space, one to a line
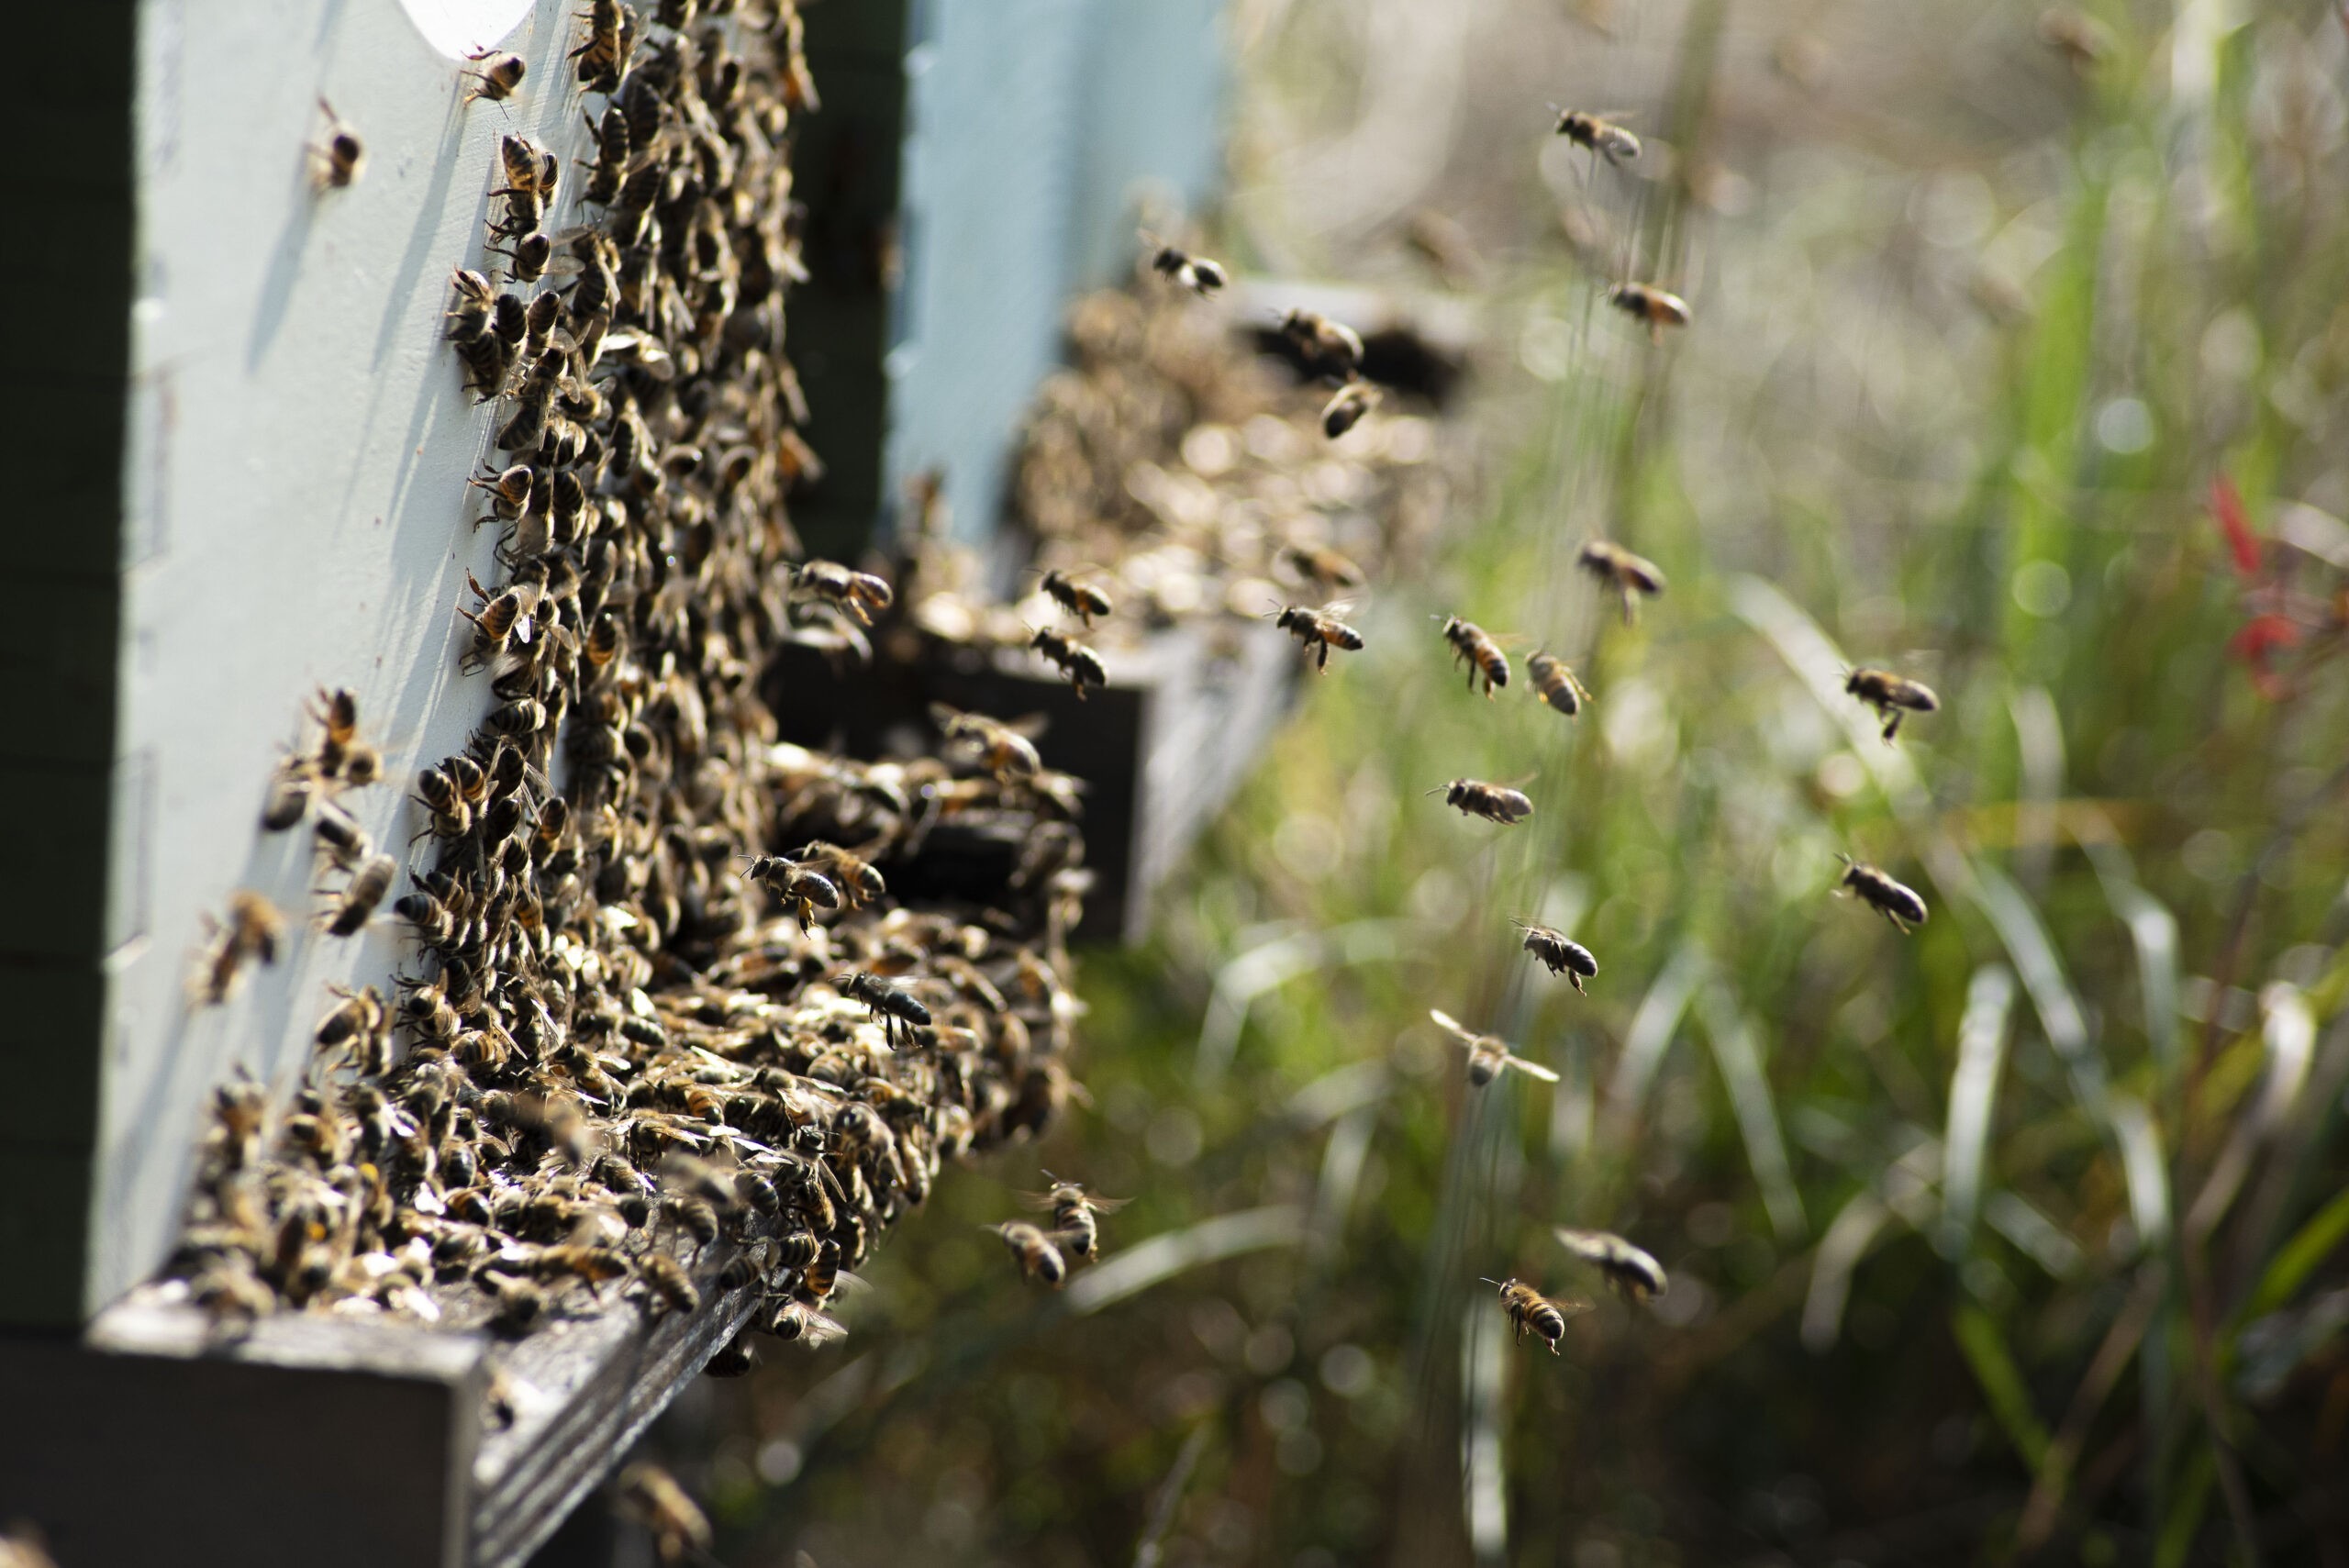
[1167, 471]
[668, 1034]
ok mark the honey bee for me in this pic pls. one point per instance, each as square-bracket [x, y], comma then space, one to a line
[858, 882]
[611, 35]
[1554, 681]
[360, 1024]
[477, 305]
[651, 1496]
[894, 1006]
[531, 169]
[1890, 695]
[250, 932]
[291, 787]
[1528, 1308]
[1079, 663]
[344, 839]
[1345, 409]
[1494, 802]
[604, 640]
[1558, 954]
[821, 1278]
[1601, 136]
[494, 623]
[1076, 1222]
[1325, 568]
[1328, 346]
[1196, 273]
[1634, 1274]
[1899, 905]
[801, 890]
[667, 1283]
[1618, 569]
[860, 593]
[355, 904]
[510, 491]
[436, 926]
[736, 1358]
[1003, 749]
[592, 1266]
[1472, 645]
[1646, 302]
[697, 1217]
[526, 262]
[1318, 631]
[499, 75]
[795, 1322]
[518, 1304]
[336, 712]
[1488, 1055]
[344, 157]
[1033, 1250]
[1079, 599]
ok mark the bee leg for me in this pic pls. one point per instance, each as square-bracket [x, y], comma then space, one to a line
[1891, 726]
[1321, 658]
[1576, 981]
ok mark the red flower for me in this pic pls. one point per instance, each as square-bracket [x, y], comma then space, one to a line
[2226, 505]
[2254, 641]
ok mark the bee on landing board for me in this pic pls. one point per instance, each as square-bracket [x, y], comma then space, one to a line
[1634, 1274]
[1893, 696]
[500, 74]
[1529, 1310]
[1318, 631]
[1899, 905]
[1626, 574]
[1554, 683]
[1494, 802]
[1472, 645]
[1488, 1055]
[1558, 953]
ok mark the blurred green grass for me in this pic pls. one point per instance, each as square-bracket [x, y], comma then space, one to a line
[2020, 1235]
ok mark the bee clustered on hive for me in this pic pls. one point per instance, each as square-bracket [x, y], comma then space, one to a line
[672, 1034]
[1174, 470]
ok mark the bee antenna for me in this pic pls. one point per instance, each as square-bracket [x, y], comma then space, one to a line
[1492, 1282]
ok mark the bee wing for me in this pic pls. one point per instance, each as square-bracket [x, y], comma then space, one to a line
[818, 1330]
[1444, 1020]
[1042, 1202]
[1571, 1305]
[1592, 1246]
[1027, 726]
[1530, 1069]
[1107, 1205]
[1339, 609]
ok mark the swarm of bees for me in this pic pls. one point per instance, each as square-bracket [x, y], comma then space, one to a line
[621, 1072]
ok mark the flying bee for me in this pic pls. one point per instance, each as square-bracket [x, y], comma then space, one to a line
[795, 1322]
[611, 35]
[1488, 1055]
[1618, 569]
[341, 835]
[1530, 1309]
[1893, 696]
[336, 712]
[1196, 273]
[1559, 954]
[1554, 681]
[1601, 136]
[1494, 802]
[1346, 409]
[355, 904]
[1472, 645]
[1003, 749]
[1079, 599]
[1646, 302]
[1325, 568]
[1076, 1222]
[1318, 631]
[1327, 346]
[860, 593]
[499, 75]
[250, 932]
[1899, 905]
[1634, 1274]
[859, 883]
[342, 158]
[894, 1005]
[802, 891]
[1079, 663]
[651, 1496]
[1033, 1250]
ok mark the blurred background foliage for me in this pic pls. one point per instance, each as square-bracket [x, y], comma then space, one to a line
[2018, 367]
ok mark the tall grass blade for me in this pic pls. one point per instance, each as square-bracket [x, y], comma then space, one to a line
[2015, 918]
[1821, 666]
[1650, 1036]
[1161, 1258]
[2152, 930]
[2037, 1236]
[1275, 964]
[2301, 1255]
[2144, 1170]
[1484, 1498]
[1848, 1237]
[2001, 1382]
[2287, 1031]
[2039, 742]
[1737, 1048]
[1973, 1091]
